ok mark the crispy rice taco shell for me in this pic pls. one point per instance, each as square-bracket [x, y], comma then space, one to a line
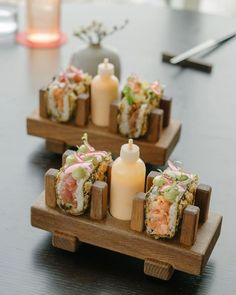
[78, 174]
[162, 216]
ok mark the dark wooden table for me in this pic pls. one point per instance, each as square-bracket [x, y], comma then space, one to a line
[206, 105]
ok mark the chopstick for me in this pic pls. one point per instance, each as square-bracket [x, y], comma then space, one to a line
[201, 47]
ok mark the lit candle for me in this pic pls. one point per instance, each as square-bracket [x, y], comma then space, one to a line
[104, 89]
[127, 178]
[43, 20]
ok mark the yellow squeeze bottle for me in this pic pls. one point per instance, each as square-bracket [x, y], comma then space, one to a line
[104, 89]
[127, 178]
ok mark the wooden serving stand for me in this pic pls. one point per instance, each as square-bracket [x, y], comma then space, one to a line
[161, 139]
[189, 251]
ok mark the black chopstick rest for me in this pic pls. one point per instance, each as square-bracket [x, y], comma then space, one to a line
[189, 63]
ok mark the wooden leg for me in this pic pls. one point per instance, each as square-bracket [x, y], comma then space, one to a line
[155, 125]
[65, 155]
[65, 242]
[43, 103]
[114, 110]
[50, 187]
[165, 105]
[189, 225]
[202, 200]
[158, 269]
[137, 217]
[98, 205]
[55, 146]
[150, 178]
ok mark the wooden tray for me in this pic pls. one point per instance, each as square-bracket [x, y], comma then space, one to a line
[161, 257]
[156, 147]
[61, 135]
[189, 251]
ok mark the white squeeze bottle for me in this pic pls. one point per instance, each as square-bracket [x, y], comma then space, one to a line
[104, 89]
[127, 178]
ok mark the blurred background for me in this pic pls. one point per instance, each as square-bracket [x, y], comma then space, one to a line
[219, 7]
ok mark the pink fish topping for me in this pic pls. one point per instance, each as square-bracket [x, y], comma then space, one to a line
[156, 87]
[158, 216]
[69, 185]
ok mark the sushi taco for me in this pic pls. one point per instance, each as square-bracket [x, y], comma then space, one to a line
[139, 99]
[63, 92]
[76, 177]
[172, 191]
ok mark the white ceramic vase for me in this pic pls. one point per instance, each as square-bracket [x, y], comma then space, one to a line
[88, 57]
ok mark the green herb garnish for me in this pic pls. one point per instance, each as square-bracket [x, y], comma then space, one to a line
[79, 173]
[159, 181]
[182, 177]
[82, 149]
[70, 159]
[128, 95]
[171, 194]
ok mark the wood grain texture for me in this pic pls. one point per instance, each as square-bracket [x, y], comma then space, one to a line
[55, 146]
[65, 242]
[117, 236]
[155, 153]
[151, 175]
[114, 111]
[50, 179]
[98, 205]
[137, 216]
[204, 103]
[202, 200]
[166, 106]
[158, 269]
[155, 125]
[43, 103]
[109, 181]
[82, 111]
[189, 225]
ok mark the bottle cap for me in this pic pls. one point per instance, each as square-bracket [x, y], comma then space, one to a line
[129, 152]
[106, 68]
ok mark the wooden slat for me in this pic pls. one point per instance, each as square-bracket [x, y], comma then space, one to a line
[102, 139]
[109, 181]
[189, 225]
[82, 111]
[155, 125]
[137, 217]
[165, 105]
[50, 189]
[202, 200]
[98, 206]
[158, 269]
[116, 235]
[114, 110]
[43, 103]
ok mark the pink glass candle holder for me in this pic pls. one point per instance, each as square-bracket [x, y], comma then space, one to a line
[43, 24]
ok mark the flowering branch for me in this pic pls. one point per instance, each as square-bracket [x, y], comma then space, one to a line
[95, 32]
